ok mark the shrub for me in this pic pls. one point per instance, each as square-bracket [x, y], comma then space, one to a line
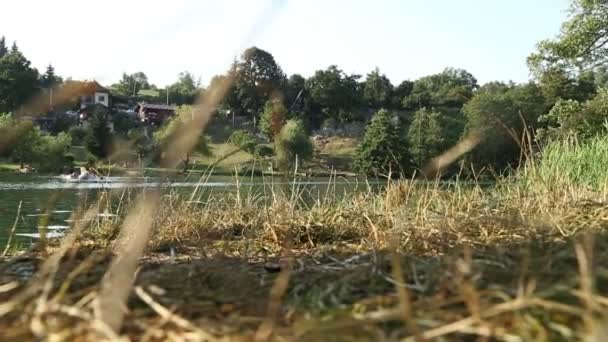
[52, 152]
[243, 139]
[384, 148]
[291, 144]
[263, 151]
[27, 139]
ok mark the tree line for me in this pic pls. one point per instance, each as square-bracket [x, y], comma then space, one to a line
[407, 123]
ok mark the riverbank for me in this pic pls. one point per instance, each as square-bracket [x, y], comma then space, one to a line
[514, 262]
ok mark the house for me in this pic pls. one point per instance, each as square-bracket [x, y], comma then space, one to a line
[154, 114]
[92, 93]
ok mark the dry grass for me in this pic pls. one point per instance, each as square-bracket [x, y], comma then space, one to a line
[510, 263]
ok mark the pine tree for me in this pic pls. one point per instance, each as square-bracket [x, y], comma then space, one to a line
[18, 80]
[425, 135]
[384, 148]
[3, 49]
[49, 79]
[14, 49]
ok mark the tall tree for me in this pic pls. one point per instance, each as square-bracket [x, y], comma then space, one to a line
[377, 89]
[258, 79]
[294, 92]
[403, 90]
[581, 44]
[495, 114]
[131, 84]
[49, 79]
[99, 136]
[185, 90]
[18, 80]
[3, 48]
[336, 93]
[425, 135]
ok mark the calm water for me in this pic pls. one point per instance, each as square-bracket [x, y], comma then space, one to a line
[49, 201]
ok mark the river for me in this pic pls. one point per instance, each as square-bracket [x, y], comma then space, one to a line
[48, 201]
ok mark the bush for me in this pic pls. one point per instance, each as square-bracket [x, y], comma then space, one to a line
[243, 139]
[291, 144]
[263, 151]
[52, 153]
[384, 148]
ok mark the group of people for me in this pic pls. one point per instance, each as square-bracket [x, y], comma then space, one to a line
[87, 172]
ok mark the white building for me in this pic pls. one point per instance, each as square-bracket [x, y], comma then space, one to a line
[93, 93]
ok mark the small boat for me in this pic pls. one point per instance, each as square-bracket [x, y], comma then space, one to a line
[49, 235]
[83, 176]
[54, 227]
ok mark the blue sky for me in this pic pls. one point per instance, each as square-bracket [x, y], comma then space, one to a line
[406, 39]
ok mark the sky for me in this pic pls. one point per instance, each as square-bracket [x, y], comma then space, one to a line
[405, 39]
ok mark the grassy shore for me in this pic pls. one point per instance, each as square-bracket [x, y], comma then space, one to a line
[519, 261]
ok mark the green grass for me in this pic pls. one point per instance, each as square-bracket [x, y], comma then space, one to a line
[6, 165]
[571, 162]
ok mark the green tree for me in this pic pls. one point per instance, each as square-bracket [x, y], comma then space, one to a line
[273, 118]
[3, 48]
[581, 44]
[131, 84]
[573, 118]
[403, 90]
[294, 91]
[384, 148]
[171, 129]
[185, 90]
[26, 143]
[98, 140]
[18, 80]
[335, 93]
[497, 114]
[50, 79]
[377, 89]
[425, 135]
[292, 144]
[450, 88]
[258, 77]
